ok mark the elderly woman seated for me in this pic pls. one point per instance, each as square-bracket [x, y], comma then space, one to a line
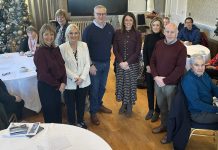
[199, 91]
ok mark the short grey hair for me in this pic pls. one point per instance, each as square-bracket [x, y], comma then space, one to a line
[100, 7]
[196, 56]
[69, 28]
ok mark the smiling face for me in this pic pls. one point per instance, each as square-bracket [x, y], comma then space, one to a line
[48, 37]
[73, 35]
[100, 15]
[128, 22]
[156, 27]
[61, 20]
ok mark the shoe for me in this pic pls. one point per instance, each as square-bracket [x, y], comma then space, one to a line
[159, 129]
[155, 117]
[123, 108]
[94, 119]
[82, 125]
[149, 115]
[103, 109]
[164, 140]
[129, 110]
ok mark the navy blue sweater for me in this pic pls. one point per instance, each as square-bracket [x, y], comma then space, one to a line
[99, 41]
[199, 92]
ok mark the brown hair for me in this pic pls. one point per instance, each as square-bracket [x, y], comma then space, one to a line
[161, 23]
[44, 28]
[61, 12]
[134, 21]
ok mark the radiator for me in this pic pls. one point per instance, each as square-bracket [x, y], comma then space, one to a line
[82, 25]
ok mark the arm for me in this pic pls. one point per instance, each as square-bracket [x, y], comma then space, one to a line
[145, 52]
[42, 69]
[138, 46]
[179, 68]
[153, 63]
[196, 37]
[191, 93]
[116, 48]
[86, 68]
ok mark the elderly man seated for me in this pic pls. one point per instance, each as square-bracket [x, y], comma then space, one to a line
[12, 104]
[199, 91]
[190, 34]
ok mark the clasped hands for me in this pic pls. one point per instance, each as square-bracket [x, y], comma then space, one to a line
[159, 81]
[124, 65]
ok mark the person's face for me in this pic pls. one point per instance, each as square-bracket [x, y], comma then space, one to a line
[155, 26]
[198, 67]
[128, 22]
[32, 35]
[166, 22]
[170, 33]
[73, 35]
[100, 15]
[61, 20]
[48, 37]
[188, 24]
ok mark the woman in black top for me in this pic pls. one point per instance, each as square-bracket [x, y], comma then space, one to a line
[149, 45]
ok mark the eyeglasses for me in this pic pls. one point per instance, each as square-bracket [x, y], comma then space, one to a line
[101, 14]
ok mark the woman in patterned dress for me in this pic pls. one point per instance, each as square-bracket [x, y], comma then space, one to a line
[127, 47]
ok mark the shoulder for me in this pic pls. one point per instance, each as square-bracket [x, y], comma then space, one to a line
[81, 43]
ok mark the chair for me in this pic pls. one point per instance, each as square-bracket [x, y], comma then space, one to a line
[204, 127]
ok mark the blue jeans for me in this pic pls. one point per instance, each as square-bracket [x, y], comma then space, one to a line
[98, 83]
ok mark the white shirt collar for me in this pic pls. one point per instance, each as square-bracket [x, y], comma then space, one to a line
[98, 25]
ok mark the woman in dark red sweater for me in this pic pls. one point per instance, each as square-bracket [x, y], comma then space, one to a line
[51, 75]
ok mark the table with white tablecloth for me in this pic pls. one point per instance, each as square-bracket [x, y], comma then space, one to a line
[19, 75]
[197, 49]
[55, 137]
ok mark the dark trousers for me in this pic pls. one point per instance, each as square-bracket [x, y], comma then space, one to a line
[16, 108]
[75, 102]
[50, 99]
[150, 93]
[98, 84]
[205, 117]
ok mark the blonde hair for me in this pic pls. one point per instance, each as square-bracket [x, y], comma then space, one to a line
[69, 28]
[61, 12]
[44, 28]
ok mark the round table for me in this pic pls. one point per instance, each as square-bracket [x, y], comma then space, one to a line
[19, 81]
[197, 49]
[55, 137]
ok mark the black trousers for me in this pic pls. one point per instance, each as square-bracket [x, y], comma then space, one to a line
[150, 93]
[75, 102]
[51, 103]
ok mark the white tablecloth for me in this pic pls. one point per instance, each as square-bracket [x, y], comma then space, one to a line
[197, 49]
[23, 84]
[56, 137]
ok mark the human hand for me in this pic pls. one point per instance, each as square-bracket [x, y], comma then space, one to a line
[93, 70]
[148, 69]
[210, 67]
[159, 81]
[79, 81]
[62, 87]
[18, 98]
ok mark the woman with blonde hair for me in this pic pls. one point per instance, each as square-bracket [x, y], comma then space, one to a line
[51, 75]
[77, 63]
[157, 28]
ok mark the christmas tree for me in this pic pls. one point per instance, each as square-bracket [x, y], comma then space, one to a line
[14, 20]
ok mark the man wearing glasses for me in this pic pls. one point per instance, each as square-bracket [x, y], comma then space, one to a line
[99, 38]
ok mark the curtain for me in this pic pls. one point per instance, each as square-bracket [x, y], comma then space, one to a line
[42, 11]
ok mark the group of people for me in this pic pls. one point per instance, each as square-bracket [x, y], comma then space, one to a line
[66, 65]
